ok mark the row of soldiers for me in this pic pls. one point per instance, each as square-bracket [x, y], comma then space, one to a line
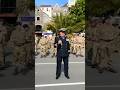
[45, 45]
[21, 43]
[102, 40]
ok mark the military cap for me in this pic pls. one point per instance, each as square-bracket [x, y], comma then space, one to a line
[62, 30]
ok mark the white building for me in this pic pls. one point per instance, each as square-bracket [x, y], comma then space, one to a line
[47, 9]
[44, 13]
[71, 3]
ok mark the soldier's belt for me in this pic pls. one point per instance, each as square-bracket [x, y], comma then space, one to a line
[106, 40]
[94, 41]
[28, 42]
[20, 44]
[43, 44]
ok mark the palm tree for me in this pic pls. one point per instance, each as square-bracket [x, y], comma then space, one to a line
[59, 21]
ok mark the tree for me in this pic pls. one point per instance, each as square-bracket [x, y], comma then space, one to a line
[22, 6]
[58, 21]
[74, 21]
[101, 7]
[78, 15]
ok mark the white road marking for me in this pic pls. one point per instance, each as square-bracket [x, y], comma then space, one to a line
[60, 84]
[55, 63]
[18, 89]
[103, 86]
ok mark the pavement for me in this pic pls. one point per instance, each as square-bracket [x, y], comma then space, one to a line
[44, 76]
[106, 80]
[8, 81]
[45, 69]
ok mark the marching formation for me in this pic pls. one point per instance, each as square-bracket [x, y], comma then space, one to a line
[102, 40]
[18, 43]
[44, 45]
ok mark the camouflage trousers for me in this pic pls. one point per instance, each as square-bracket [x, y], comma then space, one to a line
[96, 54]
[1, 55]
[105, 61]
[29, 52]
[88, 50]
[79, 50]
[43, 50]
[53, 51]
[19, 55]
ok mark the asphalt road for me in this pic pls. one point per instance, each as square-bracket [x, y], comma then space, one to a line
[45, 74]
[8, 81]
[106, 80]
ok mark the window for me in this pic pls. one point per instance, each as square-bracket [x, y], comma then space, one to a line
[47, 9]
[38, 18]
[7, 6]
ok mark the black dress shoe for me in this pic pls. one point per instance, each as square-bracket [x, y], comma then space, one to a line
[67, 76]
[93, 66]
[100, 70]
[112, 70]
[57, 77]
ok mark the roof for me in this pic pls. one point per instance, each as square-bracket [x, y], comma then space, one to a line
[8, 15]
[45, 5]
[65, 5]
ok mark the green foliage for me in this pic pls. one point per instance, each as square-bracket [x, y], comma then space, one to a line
[101, 7]
[78, 14]
[74, 21]
[22, 6]
[51, 27]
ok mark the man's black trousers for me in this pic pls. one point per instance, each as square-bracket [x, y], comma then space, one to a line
[59, 64]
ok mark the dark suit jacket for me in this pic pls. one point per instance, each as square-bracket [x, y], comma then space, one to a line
[62, 50]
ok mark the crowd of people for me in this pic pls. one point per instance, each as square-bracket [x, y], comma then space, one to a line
[19, 43]
[102, 40]
[44, 46]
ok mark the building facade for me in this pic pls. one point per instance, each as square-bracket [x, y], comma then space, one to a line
[45, 13]
[71, 3]
[42, 15]
[7, 10]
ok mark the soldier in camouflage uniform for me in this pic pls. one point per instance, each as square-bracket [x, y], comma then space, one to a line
[29, 45]
[52, 49]
[18, 40]
[36, 40]
[72, 44]
[1, 48]
[108, 34]
[90, 42]
[3, 34]
[95, 42]
[43, 47]
[78, 46]
[32, 33]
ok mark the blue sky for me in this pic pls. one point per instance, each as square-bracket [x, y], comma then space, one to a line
[50, 2]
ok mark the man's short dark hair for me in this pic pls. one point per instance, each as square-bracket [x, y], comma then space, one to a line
[25, 26]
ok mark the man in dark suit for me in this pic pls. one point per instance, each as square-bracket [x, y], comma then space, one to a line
[63, 48]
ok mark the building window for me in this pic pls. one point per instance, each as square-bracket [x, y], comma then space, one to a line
[38, 18]
[7, 6]
[47, 9]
